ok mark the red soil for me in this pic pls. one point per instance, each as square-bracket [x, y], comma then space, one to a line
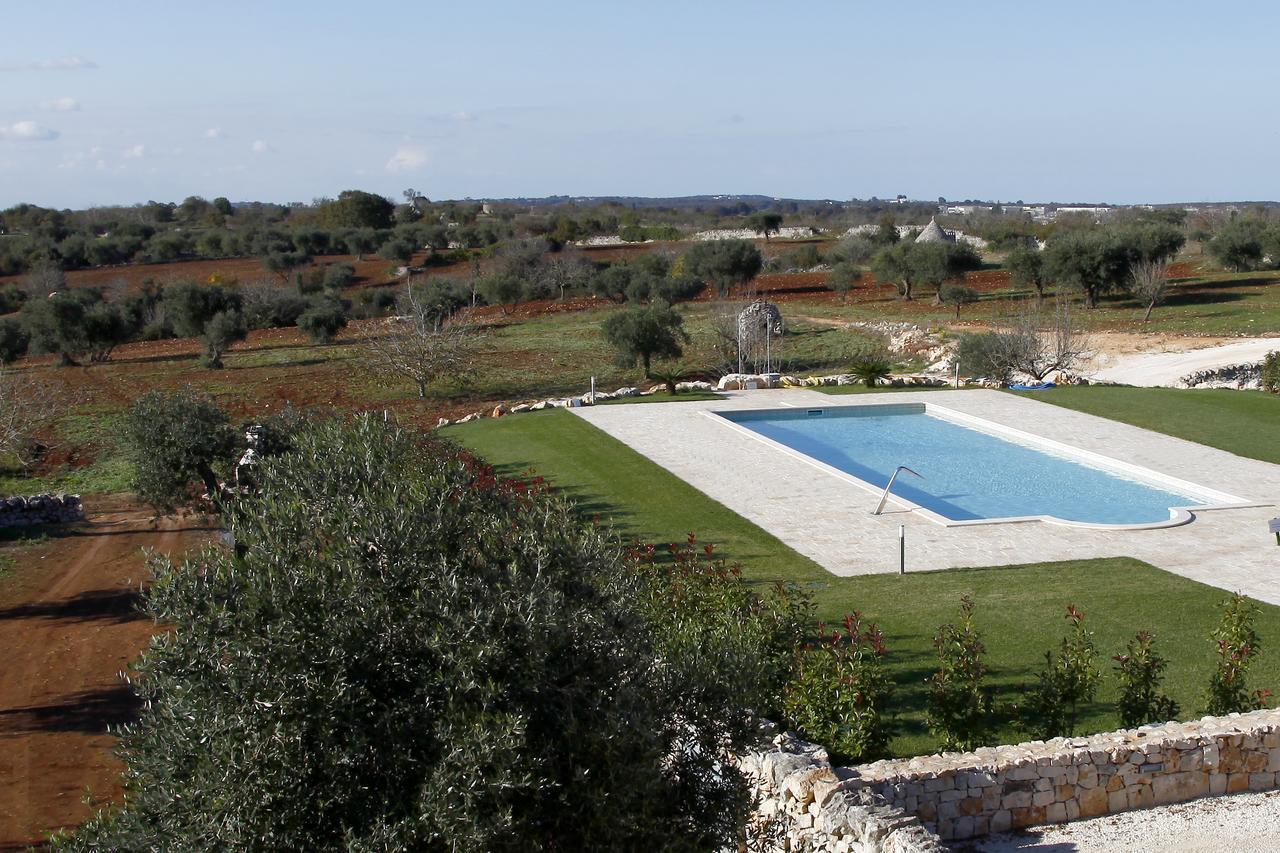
[68, 625]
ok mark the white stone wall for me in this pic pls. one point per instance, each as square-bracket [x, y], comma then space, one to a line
[960, 795]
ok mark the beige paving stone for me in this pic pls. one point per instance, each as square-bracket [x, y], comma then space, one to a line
[829, 519]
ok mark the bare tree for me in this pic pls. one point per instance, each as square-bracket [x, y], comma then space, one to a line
[28, 407]
[1040, 341]
[1149, 284]
[423, 345]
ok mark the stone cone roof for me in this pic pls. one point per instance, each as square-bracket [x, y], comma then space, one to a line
[933, 233]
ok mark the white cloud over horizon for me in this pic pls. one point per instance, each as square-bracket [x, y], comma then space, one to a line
[261, 146]
[27, 131]
[215, 133]
[407, 158]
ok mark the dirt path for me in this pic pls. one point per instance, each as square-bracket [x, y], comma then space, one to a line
[68, 625]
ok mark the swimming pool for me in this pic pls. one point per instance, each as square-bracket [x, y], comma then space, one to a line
[976, 471]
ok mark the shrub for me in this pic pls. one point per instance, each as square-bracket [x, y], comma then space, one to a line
[986, 354]
[175, 440]
[323, 319]
[1066, 682]
[1140, 671]
[404, 652]
[13, 340]
[869, 361]
[844, 275]
[1237, 645]
[840, 694]
[957, 295]
[220, 332]
[338, 276]
[959, 704]
[1271, 372]
[11, 298]
[270, 307]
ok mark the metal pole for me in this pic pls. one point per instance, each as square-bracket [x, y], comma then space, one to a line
[902, 549]
[593, 390]
[957, 373]
[888, 488]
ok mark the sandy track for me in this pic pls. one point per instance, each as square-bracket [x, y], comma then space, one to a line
[68, 625]
[1177, 358]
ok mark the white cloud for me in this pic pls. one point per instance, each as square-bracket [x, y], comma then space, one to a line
[215, 133]
[61, 105]
[260, 146]
[27, 131]
[462, 116]
[407, 158]
[137, 152]
[65, 63]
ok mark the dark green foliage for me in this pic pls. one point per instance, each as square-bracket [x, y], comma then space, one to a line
[338, 276]
[323, 319]
[1239, 244]
[800, 258]
[189, 307]
[284, 261]
[1271, 372]
[723, 263]
[857, 250]
[1236, 646]
[911, 265]
[1026, 268]
[957, 295]
[175, 440]
[1152, 242]
[56, 324]
[12, 298]
[869, 361]
[1140, 670]
[640, 233]
[1092, 261]
[375, 303]
[840, 694]
[358, 209]
[765, 223]
[504, 290]
[106, 326]
[405, 653]
[1067, 682]
[987, 354]
[643, 334]
[397, 249]
[959, 703]
[271, 307]
[14, 339]
[223, 329]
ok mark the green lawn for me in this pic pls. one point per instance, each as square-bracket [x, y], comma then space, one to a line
[1020, 609]
[1246, 423]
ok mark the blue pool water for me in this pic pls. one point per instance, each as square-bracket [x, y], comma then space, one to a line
[968, 474]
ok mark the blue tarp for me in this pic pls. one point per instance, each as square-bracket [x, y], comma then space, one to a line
[1039, 386]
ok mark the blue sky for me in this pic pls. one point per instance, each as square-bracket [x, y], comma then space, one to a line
[121, 102]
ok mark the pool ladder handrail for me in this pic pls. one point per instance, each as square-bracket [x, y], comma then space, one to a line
[885, 497]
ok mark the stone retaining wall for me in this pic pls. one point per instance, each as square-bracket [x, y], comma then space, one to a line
[1246, 376]
[960, 795]
[801, 805]
[40, 509]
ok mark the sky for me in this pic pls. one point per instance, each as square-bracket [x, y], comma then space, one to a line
[1122, 102]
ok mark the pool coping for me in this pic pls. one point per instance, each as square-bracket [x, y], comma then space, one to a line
[1177, 515]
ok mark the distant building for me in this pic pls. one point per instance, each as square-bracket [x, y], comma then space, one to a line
[901, 199]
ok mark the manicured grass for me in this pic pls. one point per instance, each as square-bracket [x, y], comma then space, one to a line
[862, 389]
[1020, 609]
[663, 397]
[1246, 423]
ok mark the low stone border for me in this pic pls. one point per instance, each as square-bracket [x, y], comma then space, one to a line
[994, 789]
[801, 805]
[40, 509]
[1243, 377]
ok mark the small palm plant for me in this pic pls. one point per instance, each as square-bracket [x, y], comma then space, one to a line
[870, 362]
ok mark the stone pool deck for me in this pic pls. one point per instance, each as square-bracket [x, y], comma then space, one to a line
[828, 519]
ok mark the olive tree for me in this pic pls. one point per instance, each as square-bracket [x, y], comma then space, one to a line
[911, 265]
[643, 334]
[175, 440]
[405, 653]
[1092, 261]
[1239, 244]
[724, 263]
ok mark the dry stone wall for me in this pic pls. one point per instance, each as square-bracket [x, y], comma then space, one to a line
[960, 795]
[915, 804]
[40, 509]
